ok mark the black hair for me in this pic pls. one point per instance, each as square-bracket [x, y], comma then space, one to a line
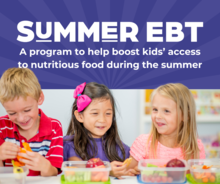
[84, 143]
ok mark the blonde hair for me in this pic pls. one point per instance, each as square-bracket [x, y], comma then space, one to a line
[19, 82]
[187, 131]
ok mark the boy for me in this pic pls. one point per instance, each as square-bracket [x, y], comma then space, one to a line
[20, 95]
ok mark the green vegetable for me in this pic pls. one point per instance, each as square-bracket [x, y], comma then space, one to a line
[87, 176]
[151, 165]
[79, 176]
[148, 173]
[70, 178]
[162, 173]
[217, 175]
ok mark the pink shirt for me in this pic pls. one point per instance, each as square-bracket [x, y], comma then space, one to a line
[139, 151]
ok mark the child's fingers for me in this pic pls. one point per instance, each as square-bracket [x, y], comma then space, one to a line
[136, 168]
[120, 171]
[117, 163]
[11, 153]
[119, 177]
[128, 173]
[13, 147]
[122, 168]
[22, 154]
[26, 162]
[11, 156]
[25, 155]
[134, 172]
[31, 153]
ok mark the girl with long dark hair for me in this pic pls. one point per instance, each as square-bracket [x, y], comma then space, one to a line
[93, 131]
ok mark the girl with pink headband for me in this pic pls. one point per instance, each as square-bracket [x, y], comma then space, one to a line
[93, 131]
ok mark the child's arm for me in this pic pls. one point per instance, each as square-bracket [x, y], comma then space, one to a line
[74, 159]
[133, 164]
[137, 152]
[133, 167]
[37, 162]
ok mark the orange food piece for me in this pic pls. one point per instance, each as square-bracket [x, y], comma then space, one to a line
[22, 150]
[70, 173]
[207, 174]
[105, 177]
[205, 180]
[18, 164]
[206, 167]
[97, 177]
[26, 146]
[127, 161]
[197, 175]
[212, 178]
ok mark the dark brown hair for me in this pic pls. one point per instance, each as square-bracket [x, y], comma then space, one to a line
[84, 144]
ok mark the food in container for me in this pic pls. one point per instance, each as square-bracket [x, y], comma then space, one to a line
[158, 170]
[205, 170]
[16, 175]
[80, 171]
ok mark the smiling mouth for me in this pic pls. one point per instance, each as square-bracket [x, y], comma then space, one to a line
[160, 124]
[100, 127]
[24, 124]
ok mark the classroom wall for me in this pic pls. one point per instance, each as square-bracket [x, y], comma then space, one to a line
[58, 104]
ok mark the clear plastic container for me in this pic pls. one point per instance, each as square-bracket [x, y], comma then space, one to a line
[208, 175]
[212, 152]
[155, 171]
[76, 171]
[7, 176]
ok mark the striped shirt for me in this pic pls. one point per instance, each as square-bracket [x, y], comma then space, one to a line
[48, 141]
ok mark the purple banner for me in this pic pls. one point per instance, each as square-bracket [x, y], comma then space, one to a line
[124, 44]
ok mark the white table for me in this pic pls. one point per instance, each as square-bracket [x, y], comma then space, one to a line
[56, 180]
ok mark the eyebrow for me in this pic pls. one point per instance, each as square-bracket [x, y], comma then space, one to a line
[98, 109]
[165, 107]
[22, 109]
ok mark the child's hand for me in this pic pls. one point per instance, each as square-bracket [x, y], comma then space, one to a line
[133, 172]
[117, 169]
[8, 150]
[36, 162]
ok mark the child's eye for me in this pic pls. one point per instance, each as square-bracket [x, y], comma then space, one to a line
[167, 111]
[27, 110]
[95, 113]
[154, 109]
[11, 114]
[109, 114]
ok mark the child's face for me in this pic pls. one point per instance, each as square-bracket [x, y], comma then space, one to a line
[97, 117]
[164, 115]
[23, 113]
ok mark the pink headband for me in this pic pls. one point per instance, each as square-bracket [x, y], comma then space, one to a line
[82, 100]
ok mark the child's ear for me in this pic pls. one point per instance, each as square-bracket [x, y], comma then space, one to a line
[41, 98]
[78, 116]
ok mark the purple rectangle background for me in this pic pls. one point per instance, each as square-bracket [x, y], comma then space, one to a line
[137, 11]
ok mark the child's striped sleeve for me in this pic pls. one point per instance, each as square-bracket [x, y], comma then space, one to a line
[55, 153]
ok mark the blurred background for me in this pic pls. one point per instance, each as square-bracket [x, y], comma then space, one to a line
[133, 114]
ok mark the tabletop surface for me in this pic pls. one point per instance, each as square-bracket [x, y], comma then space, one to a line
[56, 180]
